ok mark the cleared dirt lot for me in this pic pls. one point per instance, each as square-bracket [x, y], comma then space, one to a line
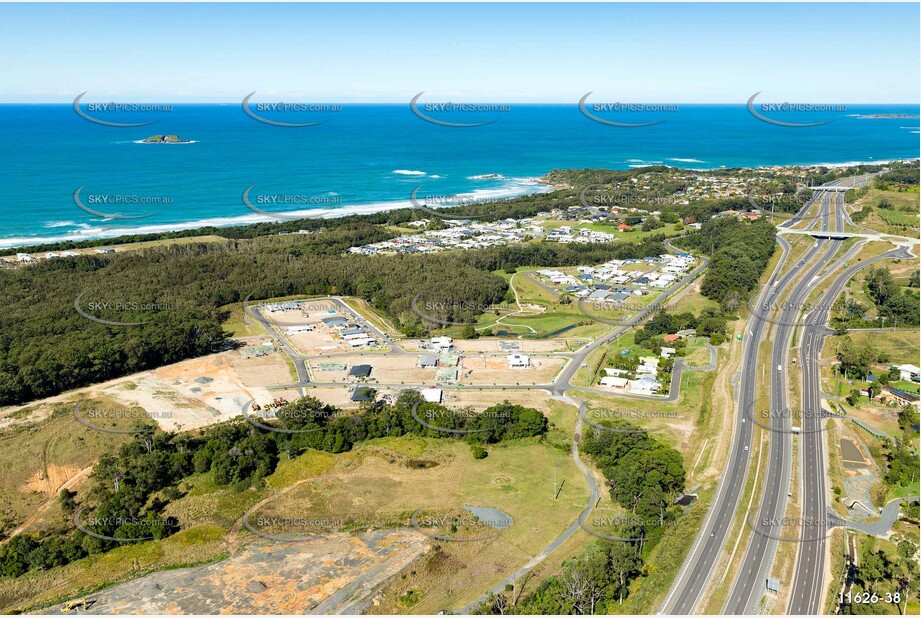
[495, 370]
[199, 391]
[480, 400]
[387, 369]
[321, 340]
[329, 575]
[473, 369]
[318, 341]
[524, 345]
[340, 396]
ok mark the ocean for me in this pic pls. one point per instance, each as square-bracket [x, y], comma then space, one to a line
[365, 158]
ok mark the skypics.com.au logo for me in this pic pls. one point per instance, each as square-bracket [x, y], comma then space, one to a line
[93, 417]
[439, 418]
[759, 111]
[116, 200]
[288, 200]
[118, 109]
[112, 307]
[425, 111]
[437, 312]
[604, 113]
[273, 113]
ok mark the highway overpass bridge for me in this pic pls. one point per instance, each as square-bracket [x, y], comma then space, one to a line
[832, 189]
[896, 240]
[821, 234]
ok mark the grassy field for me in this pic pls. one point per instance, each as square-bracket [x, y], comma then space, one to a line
[902, 219]
[900, 346]
[899, 219]
[436, 565]
[380, 484]
[543, 313]
[38, 458]
[362, 308]
[697, 353]
[832, 437]
[693, 301]
[799, 245]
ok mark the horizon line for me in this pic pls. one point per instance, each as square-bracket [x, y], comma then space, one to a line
[406, 102]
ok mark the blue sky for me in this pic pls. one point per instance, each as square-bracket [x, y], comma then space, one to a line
[682, 53]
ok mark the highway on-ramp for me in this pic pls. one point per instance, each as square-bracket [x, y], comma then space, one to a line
[808, 580]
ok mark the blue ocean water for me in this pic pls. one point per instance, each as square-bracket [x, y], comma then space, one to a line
[369, 157]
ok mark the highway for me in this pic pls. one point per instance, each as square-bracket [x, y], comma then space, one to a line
[750, 583]
[807, 587]
[700, 564]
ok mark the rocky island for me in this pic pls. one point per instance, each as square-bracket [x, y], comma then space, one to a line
[890, 116]
[165, 139]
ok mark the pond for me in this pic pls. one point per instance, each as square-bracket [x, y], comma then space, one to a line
[851, 456]
[490, 516]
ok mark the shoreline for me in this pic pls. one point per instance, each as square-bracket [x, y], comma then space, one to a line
[537, 185]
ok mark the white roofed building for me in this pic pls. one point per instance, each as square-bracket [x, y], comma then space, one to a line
[518, 360]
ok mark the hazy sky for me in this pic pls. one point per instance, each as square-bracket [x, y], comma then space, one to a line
[682, 53]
